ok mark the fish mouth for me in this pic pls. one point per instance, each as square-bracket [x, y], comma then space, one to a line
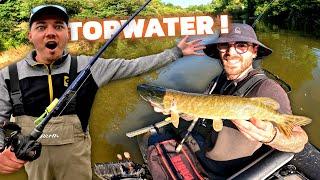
[150, 93]
[51, 45]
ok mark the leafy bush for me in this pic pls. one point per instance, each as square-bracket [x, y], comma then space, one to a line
[294, 14]
[14, 14]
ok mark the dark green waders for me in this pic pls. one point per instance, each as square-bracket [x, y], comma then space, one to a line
[66, 150]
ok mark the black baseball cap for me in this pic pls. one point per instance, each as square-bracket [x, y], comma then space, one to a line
[48, 9]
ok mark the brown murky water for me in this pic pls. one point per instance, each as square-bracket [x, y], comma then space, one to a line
[118, 109]
[296, 60]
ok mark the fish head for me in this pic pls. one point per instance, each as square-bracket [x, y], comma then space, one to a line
[152, 94]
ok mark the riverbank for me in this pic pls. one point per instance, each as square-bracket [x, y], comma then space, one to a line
[13, 55]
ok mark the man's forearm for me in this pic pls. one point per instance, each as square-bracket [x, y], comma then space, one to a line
[105, 70]
[295, 143]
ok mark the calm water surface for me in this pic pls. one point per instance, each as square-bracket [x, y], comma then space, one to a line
[118, 109]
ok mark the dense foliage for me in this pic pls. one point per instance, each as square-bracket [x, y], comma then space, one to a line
[290, 14]
[293, 14]
[14, 14]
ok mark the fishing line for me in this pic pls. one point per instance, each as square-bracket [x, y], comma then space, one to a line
[259, 17]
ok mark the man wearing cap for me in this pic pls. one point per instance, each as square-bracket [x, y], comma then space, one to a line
[224, 153]
[45, 74]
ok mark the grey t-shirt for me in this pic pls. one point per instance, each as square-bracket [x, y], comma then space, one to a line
[270, 88]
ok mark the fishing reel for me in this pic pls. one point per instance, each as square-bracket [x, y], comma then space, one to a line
[24, 147]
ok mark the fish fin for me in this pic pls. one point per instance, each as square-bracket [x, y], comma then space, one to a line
[168, 119]
[289, 121]
[174, 123]
[174, 114]
[217, 124]
[267, 101]
[175, 119]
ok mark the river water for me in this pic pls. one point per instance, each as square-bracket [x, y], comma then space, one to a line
[118, 109]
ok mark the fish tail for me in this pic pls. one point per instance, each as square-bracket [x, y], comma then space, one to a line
[289, 121]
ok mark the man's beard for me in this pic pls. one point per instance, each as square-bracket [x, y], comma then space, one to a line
[234, 73]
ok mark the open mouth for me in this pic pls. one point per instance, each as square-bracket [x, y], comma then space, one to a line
[51, 45]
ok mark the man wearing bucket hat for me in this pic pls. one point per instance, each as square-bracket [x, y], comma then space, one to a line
[242, 141]
[44, 74]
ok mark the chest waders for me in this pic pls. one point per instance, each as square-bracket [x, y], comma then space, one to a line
[57, 131]
[66, 148]
[12, 131]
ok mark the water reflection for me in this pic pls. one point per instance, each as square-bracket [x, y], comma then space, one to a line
[306, 100]
[190, 74]
[292, 58]
[296, 60]
[112, 106]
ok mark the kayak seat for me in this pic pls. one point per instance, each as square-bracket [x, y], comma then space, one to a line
[264, 166]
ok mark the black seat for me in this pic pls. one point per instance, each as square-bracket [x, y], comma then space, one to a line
[264, 166]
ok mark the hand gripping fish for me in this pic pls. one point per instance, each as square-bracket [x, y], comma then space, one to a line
[218, 107]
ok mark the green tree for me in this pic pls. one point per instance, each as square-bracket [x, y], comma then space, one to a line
[14, 14]
[293, 14]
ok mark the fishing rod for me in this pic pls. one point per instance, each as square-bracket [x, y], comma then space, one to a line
[26, 147]
[76, 84]
[190, 128]
[148, 128]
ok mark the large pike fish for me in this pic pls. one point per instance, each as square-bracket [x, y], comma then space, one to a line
[218, 107]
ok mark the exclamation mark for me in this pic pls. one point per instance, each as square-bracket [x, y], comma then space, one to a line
[224, 24]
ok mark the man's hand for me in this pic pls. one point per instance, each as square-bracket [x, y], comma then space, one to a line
[159, 109]
[257, 130]
[9, 163]
[184, 116]
[187, 117]
[191, 48]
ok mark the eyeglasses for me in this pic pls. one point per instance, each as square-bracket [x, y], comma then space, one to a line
[240, 47]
